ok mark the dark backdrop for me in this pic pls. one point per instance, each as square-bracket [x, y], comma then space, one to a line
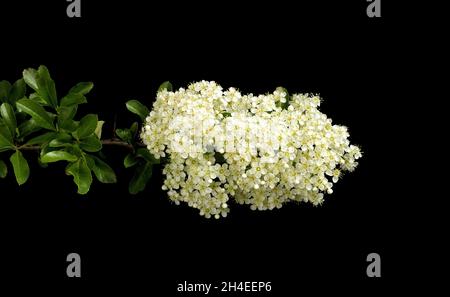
[127, 49]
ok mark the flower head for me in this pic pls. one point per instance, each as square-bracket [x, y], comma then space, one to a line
[260, 150]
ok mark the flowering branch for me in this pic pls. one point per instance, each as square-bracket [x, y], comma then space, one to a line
[217, 145]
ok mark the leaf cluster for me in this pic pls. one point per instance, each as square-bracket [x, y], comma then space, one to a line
[34, 117]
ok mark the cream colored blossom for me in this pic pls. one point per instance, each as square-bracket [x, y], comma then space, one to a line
[224, 145]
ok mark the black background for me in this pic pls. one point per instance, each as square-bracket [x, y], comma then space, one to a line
[144, 242]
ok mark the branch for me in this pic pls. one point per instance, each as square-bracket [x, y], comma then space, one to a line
[112, 142]
[118, 142]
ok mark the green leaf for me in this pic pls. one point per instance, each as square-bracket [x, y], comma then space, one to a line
[134, 128]
[140, 179]
[89, 161]
[81, 175]
[20, 166]
[17, 91]
[9, 117]
[55, 143]
[46, 86]
[87, 126]
[144, 153]
[37, 112]
[69, 125]
[41, 82]
[103, 172]
[124, 134]
[45, 148]
[75, 149]
[130, 160]
[38, 99]
[82, 88]
[65, 118]
[5, 88]
[3, 169]
[30, 78]
[6, 141]
[165, 85]
[56, 156]
[138, 108]
[91, 144]
[41, 139]
[42, 165]
[28, 127]
[98, 129]
[61, 140]
[72, 99]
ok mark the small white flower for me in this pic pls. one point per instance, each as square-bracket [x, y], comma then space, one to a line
[224, 145]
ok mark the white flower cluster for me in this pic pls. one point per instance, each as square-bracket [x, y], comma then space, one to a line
[261, 150]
